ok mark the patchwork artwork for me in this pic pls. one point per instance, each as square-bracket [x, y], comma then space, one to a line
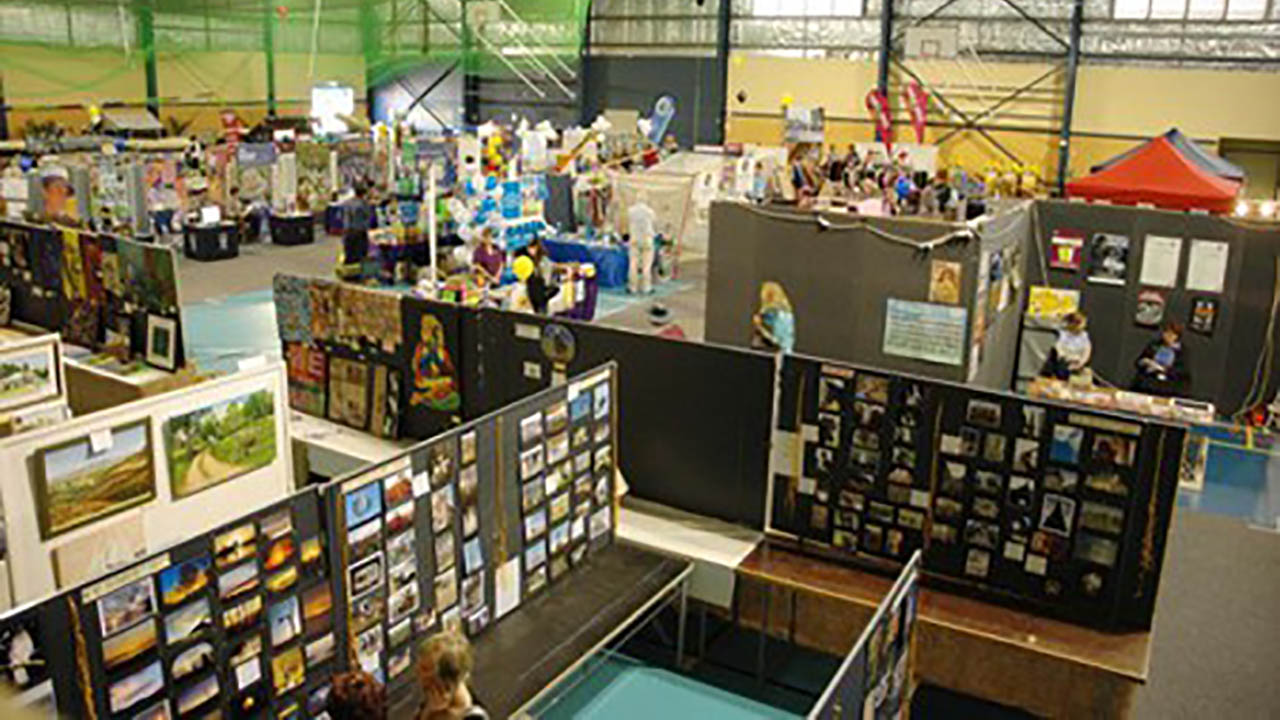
[308, 370]
[349, 392]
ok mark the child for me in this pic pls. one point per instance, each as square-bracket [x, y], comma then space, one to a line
[1069, 357]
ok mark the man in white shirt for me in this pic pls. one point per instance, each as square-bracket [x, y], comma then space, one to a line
[641, 246]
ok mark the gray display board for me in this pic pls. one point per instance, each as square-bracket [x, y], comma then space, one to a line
[1222, 363]
[840, 274]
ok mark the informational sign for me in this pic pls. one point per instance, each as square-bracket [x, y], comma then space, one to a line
[1160, 258]
[925, 331]
[1207, 268]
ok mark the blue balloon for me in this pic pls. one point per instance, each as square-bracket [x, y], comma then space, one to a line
[490, 182]
[26, 162]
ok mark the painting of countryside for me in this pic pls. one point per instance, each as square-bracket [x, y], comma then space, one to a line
[26, 377]
[79, 485]
[211, 445]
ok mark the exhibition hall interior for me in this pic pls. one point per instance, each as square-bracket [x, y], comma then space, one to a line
[465, 359]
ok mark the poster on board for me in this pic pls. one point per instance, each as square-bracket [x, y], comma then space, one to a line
[1207, 267]
[925, 331]
[1109, 259]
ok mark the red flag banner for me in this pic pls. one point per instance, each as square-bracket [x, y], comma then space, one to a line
[917, 101]
[878, 106]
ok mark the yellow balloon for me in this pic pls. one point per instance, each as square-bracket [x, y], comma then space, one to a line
[523, 267]
[787, 99]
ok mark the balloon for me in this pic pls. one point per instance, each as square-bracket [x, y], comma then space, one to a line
[787, 99]
[523, 267]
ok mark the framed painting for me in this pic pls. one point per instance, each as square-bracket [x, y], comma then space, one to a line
[220, 441]
[92, 477]
[30, 373]
[162, 342]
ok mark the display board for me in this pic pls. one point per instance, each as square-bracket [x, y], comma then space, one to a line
[1136, 268]
[252, 617]
[874, 681]
[97, 492]
[1045, 506]
[378, 361]
[695, 431]
[458, 531]
[98, 291]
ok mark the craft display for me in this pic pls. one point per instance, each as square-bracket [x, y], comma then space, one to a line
[99, 291]
[374, 360]
[1053, 507]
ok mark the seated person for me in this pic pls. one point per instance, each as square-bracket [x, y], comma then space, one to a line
[1162, 366]
[487, 260]
[444, 668]
[357, 696]
[1069, 358]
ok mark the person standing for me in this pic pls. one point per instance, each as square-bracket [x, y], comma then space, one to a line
[358, 221]
[641, 245]
[773, 327]
[487, 260]
[444, 671]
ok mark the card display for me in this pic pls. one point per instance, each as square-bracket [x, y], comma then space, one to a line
[1009, 498]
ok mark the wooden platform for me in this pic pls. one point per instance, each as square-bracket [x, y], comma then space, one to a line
[1046, 667]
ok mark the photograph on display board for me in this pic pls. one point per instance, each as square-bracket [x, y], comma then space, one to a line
[28, 375]
[92, 477]
[1109, 259]
[162, 342]
[183, 580]
[308, 370]
[1204, 315]
[24, 669]
[210, 445]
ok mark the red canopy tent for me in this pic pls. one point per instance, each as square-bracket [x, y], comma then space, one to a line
[1162, 174]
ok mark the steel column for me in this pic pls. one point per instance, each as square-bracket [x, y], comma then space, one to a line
[724, 26]
[269, 50]
[886, 45]
[147, 37]
[1069, 101]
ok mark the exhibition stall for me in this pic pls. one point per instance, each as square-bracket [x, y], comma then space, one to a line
[482, 528]
[98, 491]
[944, 299]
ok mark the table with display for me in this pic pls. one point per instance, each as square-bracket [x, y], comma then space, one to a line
[216, 241]
[331, 450]
[1044, 666]
[549, 637]
[610, 260]
[292, 229]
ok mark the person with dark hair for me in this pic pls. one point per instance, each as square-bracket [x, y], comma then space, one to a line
[357, 696]
[444, 669]
[358, 221]
[1162, 366]
[1069, 357]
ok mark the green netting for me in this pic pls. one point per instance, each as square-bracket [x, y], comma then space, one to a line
[488, 37]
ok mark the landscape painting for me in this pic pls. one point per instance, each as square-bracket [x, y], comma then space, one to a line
[213, 444]
[76, 485]
[28, 375]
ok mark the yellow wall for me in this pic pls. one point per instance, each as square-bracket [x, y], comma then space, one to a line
[193, 86]
[1132, 101]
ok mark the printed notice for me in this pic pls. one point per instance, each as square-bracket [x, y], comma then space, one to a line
[1160, 258]
[925, 331]
[1207, 268]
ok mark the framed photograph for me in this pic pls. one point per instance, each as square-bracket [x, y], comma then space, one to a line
[1057, 514]
[221, 441]
[129, 644]
[1204, 315]
[1109, 259]
[363, 503]
[984, 413]
[30, 373]
[92, 477]
[136, 687]
[162, 342]
[180, 581]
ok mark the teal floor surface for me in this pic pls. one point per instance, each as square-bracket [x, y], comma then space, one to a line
[625, 689]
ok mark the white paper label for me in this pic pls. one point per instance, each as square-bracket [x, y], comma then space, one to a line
[532, 370]
[100, 441]
[507, 587]
[524, 331]
[809, 433]
[807, 486]
[421, 484]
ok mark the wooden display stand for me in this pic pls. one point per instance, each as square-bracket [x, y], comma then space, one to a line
[295, 229]
[90, 389]
[1043, 666]
[211, 242]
